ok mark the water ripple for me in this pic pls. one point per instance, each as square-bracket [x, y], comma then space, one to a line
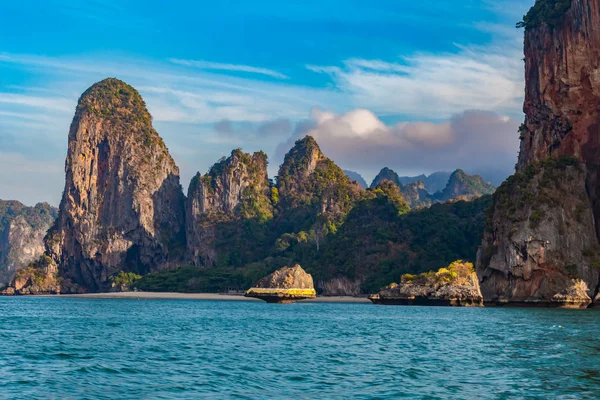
[106, 349]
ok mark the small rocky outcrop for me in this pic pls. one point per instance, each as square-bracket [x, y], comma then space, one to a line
[286, 285]
[574, 296]
[39, 278]
[22, 232]
[122, 206]
[456, 285]
[236, 189]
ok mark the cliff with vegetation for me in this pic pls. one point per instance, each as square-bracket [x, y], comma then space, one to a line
[22, 231]
[314, 194]
[542, 237]
[228, 211]
[122, 207]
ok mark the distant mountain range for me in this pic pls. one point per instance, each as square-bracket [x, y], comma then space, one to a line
[355, 176]
[457, 185]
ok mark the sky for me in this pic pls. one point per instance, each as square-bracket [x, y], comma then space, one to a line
[414, 86]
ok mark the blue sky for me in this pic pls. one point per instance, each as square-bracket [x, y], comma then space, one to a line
[415, 86]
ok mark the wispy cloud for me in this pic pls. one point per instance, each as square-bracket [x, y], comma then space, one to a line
[50, 103]
[434, 85]
[227, 67]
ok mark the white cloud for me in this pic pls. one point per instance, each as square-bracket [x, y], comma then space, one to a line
[473, 140]
[50, 103]
[435, 85]
[228, 67]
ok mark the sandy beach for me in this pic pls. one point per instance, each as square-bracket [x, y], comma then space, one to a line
[204, 296]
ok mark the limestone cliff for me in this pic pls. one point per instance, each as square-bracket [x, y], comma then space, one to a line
[235, 192]
[122, 206]
[311, 184]
[549, 234]
[416, 195]
[22, 231]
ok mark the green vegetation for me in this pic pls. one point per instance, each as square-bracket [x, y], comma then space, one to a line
[323, 221]
[114, 100]
[550, 12]
[462, 184]
[41, 214]
[457, 273]
[196, 280]
[521, 192]
[125, 279]
[380, 240]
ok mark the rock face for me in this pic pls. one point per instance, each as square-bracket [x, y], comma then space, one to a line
[313, 192]
[122, 206]
[22, 231]
[456, 285]
[286, 285]
[236, 189]
[525, 262]
[416, 195]
[40, 277]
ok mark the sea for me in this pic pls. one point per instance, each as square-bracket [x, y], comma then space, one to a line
[83, 348]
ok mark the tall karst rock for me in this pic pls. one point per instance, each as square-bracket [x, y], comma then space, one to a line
[541, 240]
[122, 206]
[22, 232]
[227, 210]
[312, 189]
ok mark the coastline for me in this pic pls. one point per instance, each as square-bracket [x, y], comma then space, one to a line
[203, 296]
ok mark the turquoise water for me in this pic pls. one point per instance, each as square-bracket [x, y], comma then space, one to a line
[105, 348]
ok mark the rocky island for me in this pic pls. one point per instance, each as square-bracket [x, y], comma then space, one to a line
[286, 285]
[457, 285]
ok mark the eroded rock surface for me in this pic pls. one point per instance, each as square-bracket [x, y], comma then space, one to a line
[122, 206]
[236, 189]
[22, 232]
[285, 285]
[544, 229]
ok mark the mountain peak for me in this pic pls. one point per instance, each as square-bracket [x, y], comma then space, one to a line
[112, 97]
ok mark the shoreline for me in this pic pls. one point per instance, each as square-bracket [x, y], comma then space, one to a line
[203, 296]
